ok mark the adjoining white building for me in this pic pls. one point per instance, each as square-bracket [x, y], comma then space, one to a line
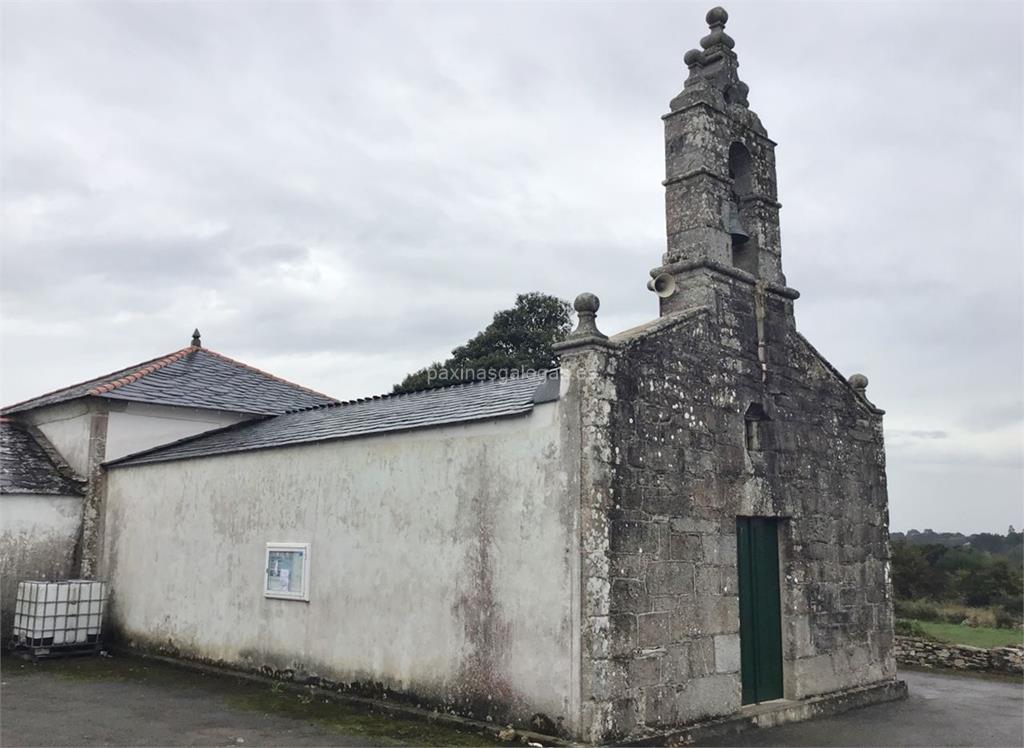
[54, 447]
[40, 512]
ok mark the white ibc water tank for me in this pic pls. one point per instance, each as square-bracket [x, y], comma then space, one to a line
[59, 614]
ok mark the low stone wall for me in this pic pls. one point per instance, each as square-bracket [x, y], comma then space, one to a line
[925, 653]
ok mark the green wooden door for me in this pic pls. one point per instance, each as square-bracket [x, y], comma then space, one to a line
[757, 541]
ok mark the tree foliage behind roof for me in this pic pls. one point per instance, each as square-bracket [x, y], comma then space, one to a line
[517, 340]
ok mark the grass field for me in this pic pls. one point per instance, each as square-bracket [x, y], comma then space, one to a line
[973, 636]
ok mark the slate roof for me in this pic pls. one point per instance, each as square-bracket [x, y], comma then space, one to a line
[387, 413]
[25, 467]
[193, 377]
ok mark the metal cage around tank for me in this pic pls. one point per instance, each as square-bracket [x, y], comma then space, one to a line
[59, 617]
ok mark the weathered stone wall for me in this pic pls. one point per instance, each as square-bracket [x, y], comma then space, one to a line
[925, 653]
[681, 473]
[588, 409]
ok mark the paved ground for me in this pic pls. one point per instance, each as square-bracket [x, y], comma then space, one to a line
[942, 710]
[124, 701]
[130, 702]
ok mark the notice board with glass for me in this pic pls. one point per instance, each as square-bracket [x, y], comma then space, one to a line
[287, 571]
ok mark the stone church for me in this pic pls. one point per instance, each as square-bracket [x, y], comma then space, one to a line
[684, 525]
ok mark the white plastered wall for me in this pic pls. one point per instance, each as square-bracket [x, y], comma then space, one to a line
[37, 542]
[444, 561]
[133, 427]
[67, 427]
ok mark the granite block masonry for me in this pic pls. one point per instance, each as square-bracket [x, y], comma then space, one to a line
[720, 410]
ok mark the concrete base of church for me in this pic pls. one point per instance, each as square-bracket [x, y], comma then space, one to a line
[775, 713]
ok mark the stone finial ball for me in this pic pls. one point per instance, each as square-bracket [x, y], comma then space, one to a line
[586, 302]
[692, 57]
[717, 16]
[858, 381]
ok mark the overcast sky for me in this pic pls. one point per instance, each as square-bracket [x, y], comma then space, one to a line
[342, 192]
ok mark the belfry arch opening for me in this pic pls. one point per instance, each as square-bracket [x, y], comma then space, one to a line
[744, 246]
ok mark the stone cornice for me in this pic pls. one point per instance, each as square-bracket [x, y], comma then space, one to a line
[703, 171]
[590, 341]
[716, 110]
[761, 199]
[700, 171]
[743, 276]
[671, 319]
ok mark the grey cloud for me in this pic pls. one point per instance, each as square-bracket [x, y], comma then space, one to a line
[995, 416]
[918, 434]
[342, 192]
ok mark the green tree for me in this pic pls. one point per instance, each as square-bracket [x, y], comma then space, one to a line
[518, 339]
[912, 574]
[991, 583]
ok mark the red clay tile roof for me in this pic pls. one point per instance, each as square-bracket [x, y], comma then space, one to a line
[193, 377]
[147, 369]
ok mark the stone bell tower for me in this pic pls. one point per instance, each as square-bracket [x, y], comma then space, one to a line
[733, 511]
[721, 210]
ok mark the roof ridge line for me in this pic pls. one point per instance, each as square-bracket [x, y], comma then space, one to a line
[392, 395]
[268, 374]
[137, 375]
[8, 408]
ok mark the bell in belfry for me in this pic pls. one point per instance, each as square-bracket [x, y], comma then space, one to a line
[733, 224]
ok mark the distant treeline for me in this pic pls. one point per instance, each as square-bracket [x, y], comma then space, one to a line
[1008, 545]
[981, 570]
